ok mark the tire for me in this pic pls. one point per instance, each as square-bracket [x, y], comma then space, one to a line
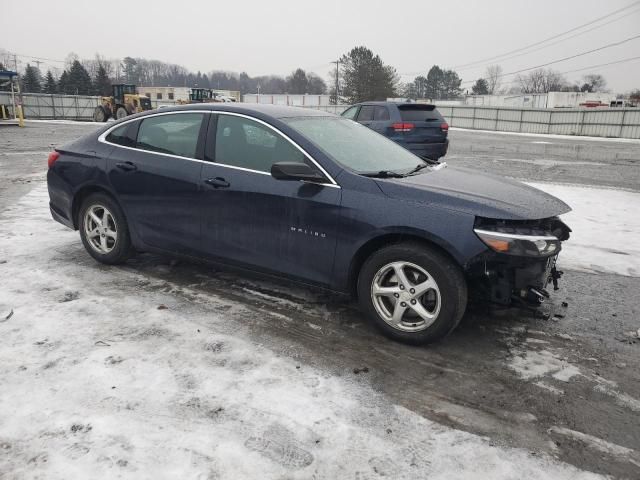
[121, 112]
[428, 312]
[111, 245]
[100, 114]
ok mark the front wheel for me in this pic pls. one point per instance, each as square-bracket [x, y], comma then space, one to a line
[104, 230]
[413, 293]
[100, 114]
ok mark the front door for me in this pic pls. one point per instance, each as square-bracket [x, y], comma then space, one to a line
[252, 219]
[156, 173]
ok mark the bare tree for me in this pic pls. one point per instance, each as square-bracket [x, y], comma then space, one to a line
[493, 76]
[541, 81]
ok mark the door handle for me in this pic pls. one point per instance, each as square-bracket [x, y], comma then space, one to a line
[217, 182]
[126, 166]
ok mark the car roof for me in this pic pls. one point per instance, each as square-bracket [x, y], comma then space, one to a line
[254, 109]
[397, 104]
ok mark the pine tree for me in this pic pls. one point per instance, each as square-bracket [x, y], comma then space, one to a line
[481, 87]
[79, 80]
[50, 83]
[63, 84]
[31, 80]
[297, 82]
[102, 83]
[365, 77]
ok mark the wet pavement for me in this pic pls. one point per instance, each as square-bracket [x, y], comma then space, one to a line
[567, 385]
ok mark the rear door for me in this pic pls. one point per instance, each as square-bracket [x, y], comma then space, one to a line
[425, 123]
[381, 119]
[155, 172]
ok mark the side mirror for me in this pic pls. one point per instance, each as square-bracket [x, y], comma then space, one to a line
[295, 171]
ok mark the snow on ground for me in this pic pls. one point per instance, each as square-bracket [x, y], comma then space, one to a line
[97, 382]
[606, 229]
[538, 363]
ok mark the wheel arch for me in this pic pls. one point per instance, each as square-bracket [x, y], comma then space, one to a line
[391, 238]
[83, 193]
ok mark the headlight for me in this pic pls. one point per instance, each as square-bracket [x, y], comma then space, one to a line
[519, 245]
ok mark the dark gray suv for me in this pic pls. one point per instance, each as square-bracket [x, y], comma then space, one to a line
[418, 127]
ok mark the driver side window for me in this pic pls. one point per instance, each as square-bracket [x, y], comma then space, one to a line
[350, 113]
[241, 142]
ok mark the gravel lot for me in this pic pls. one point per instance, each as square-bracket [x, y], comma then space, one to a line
[246, 377]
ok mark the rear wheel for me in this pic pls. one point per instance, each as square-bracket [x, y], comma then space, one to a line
[413, 293]
[104, 230]
[121, 112]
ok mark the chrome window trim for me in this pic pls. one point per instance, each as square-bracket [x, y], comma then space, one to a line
[103, 139]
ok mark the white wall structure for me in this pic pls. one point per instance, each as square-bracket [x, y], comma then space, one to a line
[539, 100]
[595, 122]
[286, 99]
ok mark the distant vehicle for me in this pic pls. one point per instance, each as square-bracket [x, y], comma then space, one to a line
[124, 101]
[418, 127]
[312, 197]
[224, 98]
[199, 95]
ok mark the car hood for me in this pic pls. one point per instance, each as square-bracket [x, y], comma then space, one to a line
[476, 193]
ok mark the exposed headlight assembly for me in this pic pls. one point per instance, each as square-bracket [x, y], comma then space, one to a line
[518, 244]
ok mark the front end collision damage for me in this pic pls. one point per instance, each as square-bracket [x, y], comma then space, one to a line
[520, 262]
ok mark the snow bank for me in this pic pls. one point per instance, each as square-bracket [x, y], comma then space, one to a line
[606, 229]
[97, 382]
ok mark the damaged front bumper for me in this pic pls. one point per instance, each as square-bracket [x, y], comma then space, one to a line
[521, 260]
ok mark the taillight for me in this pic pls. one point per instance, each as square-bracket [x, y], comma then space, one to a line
[444, 127]
[403, 127]
[53, 156]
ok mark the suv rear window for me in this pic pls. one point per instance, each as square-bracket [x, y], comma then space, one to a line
[419, 113]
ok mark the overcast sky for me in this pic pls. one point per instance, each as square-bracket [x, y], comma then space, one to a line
[262, 37]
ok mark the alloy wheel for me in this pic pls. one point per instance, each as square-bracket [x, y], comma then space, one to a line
[406, 296]
[100, 229]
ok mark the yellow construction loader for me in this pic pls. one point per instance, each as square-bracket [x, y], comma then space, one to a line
[124, 101]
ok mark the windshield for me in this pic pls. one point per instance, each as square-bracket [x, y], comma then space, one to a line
[355, 146]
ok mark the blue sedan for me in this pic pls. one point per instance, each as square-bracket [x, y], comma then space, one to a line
[315, 198]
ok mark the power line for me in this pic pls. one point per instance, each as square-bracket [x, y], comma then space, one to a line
[624, 60]
[614, 44]
[555, 43]
[40, 58]
[553, 37]
[601, 65]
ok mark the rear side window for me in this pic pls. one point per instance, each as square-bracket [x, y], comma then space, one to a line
[175, 134]
[381, 113]
[419, 113]
[241, 142]
[366, 113]
[123, 135]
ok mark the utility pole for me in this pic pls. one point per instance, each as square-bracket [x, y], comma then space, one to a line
[337, 62]
[17, 105]
[38, 62]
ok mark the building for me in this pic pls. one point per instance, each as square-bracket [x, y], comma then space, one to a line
[286, 99]
[541, 100]
[162, 94]
[169, 95]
